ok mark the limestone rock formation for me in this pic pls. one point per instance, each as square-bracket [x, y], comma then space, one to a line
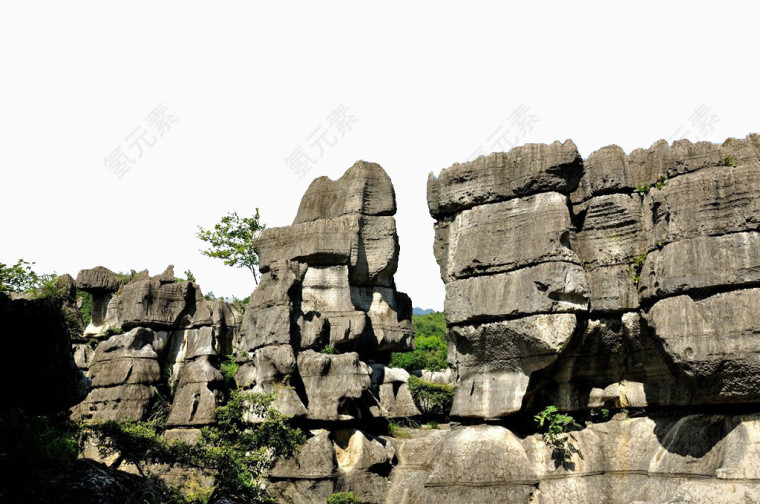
[513, 281]
[651, 258]
[173, 344]
[327, 283]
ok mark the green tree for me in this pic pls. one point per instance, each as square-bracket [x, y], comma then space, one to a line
[429, 342]
[232, 241]
[19, 277]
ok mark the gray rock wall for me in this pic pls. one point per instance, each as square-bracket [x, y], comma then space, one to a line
[327, 311]
[651, 258]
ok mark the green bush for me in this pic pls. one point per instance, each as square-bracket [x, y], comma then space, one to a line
[430, 345]
[343, 498]
[556, 425]
[86, 309]
[431, 398]
[239, 453]
[729, 161]
[229, 368]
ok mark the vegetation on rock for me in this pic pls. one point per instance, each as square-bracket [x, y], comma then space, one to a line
[343, 498]
[430, 345]
[240, 454]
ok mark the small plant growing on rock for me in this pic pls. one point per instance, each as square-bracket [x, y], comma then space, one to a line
[642, 189]
[329, 350]
[661, 183]
[343, 498]
[729, 161]
[637, 265]
[557, 425]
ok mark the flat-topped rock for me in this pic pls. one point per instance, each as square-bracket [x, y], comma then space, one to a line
[525, 170]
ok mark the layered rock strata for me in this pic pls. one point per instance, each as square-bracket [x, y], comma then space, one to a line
[326, 308]
[152, 340]
[621, 269]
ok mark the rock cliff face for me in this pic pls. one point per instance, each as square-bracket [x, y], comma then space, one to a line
[149, 335]
[327, 312]
[621, 280]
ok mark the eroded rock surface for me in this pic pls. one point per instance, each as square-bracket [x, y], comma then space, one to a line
[652, 254]
[327, 306]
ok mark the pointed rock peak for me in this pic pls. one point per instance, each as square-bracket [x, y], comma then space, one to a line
[365, 189]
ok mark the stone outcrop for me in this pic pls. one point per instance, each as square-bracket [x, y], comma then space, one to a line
[326, 307]
[514, 283]
[152, 340]
[625, 248]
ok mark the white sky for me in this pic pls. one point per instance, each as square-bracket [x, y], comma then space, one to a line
[247, 83]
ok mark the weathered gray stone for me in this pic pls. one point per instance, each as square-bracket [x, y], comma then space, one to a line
[150, 303]
[301, 491]
[364, 189]
[494, 361]
[333, 384]
[315, 460]
[506, 236]
[614, 230]
[98, 280]
[267, 318]
[612, 288]
[544, 288]
[606, 170]
[377, 255]
[390, 386]
[714, 341]
[480, 464]
[729, 261]
[356, 451]
[525, 170]
[712, 201]
[390, 316]
[317, 243]
[123, 402]
[199, 392]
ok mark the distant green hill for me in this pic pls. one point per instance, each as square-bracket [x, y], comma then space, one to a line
[430, 343]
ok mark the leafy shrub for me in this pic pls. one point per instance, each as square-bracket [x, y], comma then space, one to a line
[86, 306]
[431, 398]
[430, 345]
[343, 498]
[229, 368]
[240, 454]
[329, 350]
[729, 161]
[49, 287]
[556, 425]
